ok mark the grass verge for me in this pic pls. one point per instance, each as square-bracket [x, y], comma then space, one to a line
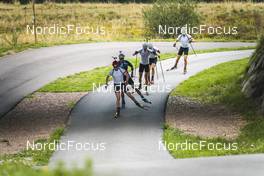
[33, 162]
[21, 169]
[35, 157]
[83, 82]
[220, 84]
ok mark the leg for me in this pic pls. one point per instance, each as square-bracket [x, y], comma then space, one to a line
[152, 72]
[177, 61]
[181, 50]
[185, 63]
[146, 78]
[186, 50]
[133, 99]
[141, 69]
[140, 79]
[131, 82]
[123, 99]
[117, 104]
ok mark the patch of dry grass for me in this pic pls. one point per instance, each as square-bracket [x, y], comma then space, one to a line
[121, 21]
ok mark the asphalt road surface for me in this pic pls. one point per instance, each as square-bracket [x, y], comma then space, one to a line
[132, 144]
[25, 72]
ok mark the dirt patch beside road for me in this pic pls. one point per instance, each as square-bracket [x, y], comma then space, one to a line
[35, 117]
[203, 120]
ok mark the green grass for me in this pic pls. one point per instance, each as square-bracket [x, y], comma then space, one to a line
[83, 82]
[220, 84]
[21, 169]
[35, 157]
[80, 82]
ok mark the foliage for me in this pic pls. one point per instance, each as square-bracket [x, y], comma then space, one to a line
[170, 13]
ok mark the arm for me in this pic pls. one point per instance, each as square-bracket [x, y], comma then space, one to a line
[190, 38]
[177, 39]
[127, 77]
[107, 80]
[135, 53]
[132, 68]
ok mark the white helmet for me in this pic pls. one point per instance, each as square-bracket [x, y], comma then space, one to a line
[145, 45]
[150, 46]
[184, 30]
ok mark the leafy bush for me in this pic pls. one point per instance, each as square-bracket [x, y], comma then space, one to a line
[171, 13]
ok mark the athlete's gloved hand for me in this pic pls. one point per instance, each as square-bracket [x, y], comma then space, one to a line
[132, 74]
[174, 44]
[106, 86]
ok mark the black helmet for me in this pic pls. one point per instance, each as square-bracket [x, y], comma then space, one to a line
[121, 56]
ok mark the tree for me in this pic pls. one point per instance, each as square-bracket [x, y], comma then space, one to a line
[253, 85]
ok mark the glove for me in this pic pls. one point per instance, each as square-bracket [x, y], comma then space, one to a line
[106, 86]
[132, 75]
[174, 44]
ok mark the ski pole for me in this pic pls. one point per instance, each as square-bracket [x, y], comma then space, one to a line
[157, 72]
[136, 66]
[161, 69]
[193, 49]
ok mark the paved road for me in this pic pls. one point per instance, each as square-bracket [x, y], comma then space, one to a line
[26, 72]
[131, 145]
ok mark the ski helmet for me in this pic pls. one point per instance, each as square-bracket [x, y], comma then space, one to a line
[145, 45]
[150, 46]
[184, 30]
[121, 56]
[115, 64]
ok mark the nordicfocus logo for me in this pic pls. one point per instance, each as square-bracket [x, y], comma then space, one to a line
[68, 29]
[66, 146]
[201, 145]
[157, 88]
[201, 29]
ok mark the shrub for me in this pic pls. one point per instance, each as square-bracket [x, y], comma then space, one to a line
[171, 13]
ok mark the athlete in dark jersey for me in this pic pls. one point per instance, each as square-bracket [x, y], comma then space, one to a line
[124, 64]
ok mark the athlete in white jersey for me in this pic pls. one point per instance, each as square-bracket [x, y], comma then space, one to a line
[120, 86]
[185, 40]
[153, 58]
[144, 64]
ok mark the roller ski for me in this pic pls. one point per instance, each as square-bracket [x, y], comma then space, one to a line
[172, 68]
[143, 106]
[146, 100]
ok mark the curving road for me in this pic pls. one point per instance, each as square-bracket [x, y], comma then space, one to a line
[131, 144]
[26, 72]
